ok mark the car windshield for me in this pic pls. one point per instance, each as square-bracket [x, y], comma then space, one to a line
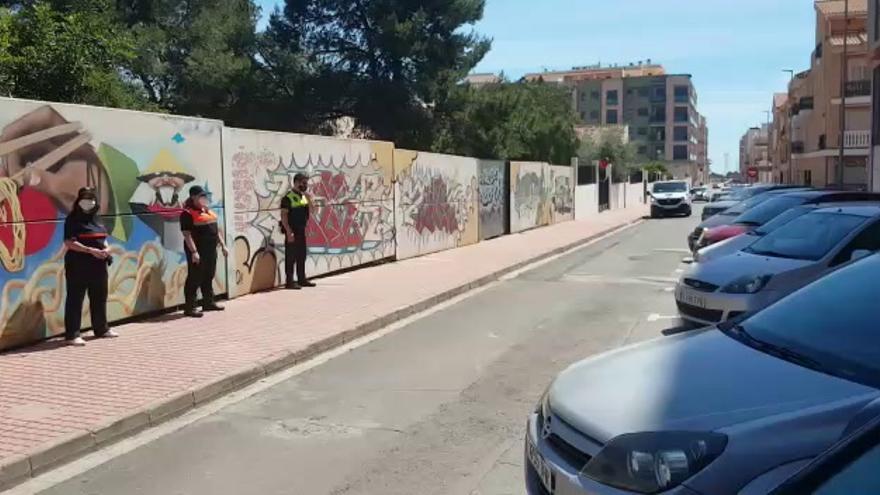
[769, 210]
[809, 237]
[748, 204]
[669, 187]
[811, 323]
[781, 220]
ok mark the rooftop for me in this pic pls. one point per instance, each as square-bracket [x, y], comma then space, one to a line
[835, 8]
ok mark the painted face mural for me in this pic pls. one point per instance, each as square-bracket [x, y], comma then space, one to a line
[138, 163]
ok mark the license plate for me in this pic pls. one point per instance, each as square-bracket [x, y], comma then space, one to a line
[541, 467]
[691, 297]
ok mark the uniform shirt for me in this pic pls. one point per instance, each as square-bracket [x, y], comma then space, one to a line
[297, 206]
[202, 226]
[88, 231]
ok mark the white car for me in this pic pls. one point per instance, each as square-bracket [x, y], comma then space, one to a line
[795, 254]
[670, 198]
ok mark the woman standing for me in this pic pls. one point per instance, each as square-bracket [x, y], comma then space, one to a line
[201, 237]
[85, 268]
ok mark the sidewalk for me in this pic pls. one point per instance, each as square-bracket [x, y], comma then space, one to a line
[58, 402]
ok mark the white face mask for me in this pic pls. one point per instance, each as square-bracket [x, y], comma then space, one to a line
[88, 205]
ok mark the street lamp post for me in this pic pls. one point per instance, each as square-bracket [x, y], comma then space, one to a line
[790, 129]
[767, 162]
[843, 81]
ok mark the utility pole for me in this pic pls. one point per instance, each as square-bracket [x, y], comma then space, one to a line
[843, 80]
[790, 128]
[767, 161]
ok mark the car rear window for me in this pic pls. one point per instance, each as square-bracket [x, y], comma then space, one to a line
[809, 237]
[832, 321]
[769, 210]
[782, 219]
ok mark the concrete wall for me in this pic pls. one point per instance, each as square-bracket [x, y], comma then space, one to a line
[435, 202]
[635, 194]
[561, 193]
[352, 214]
[529, 199]
[493, 197]
[586, 201]
[142, 165]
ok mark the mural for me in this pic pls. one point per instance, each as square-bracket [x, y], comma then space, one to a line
[493, 199]
[352, 212]
[435, 202]
[142, 166]
[561, 193]
[529, 195]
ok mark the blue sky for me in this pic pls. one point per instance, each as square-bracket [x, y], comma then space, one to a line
[735, 49]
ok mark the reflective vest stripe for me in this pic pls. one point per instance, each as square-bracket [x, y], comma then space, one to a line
[297, 200]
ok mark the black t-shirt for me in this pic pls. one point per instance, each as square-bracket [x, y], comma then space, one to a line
[202, 226]
[88, 231]
[297, 212]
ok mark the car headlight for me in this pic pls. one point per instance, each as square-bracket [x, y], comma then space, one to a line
[653, 200]
[654, 462]
[749, 284]
[543, 405]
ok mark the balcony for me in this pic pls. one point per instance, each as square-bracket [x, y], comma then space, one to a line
[857, 139]
[797, 147]
[857, 88]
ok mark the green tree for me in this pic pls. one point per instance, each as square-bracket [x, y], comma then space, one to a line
[386, 63]
[519, 121]
[609, 144]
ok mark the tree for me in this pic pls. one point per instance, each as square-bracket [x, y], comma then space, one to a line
[609, 145]
[519, 121]
[656, 170]
[386, 63]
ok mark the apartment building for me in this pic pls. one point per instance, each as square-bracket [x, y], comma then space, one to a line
[874, 56]
[818, 97]
[659, 109]
[754, 153]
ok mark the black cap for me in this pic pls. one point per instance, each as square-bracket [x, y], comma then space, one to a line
[86, 193]
[196, 191]
[299, 177]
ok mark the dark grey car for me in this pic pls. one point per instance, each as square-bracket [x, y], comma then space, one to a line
[719, 410]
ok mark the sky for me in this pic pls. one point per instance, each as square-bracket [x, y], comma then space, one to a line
[736, 50]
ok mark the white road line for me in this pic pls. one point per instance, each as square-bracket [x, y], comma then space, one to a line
[657, 317]
[75, 468]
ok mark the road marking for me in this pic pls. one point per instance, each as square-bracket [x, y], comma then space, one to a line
[668, 289]
[657, 317]
[673, 250]
[84, 464]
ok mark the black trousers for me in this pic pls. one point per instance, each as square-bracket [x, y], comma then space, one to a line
[295, 256]
[83, 277]
[200, 276]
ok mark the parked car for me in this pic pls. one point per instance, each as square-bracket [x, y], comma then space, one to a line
[670, 198]
[770, 209]
[699, 194]
[734, 196]
[717, 410]
[727, 216]
[734, 244]
[848, 467]
[777, 264]
[716, 207]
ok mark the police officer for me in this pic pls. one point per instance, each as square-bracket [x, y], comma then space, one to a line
[294, 219]
[85, 268]
[201, 237]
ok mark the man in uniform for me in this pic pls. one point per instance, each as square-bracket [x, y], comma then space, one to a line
[294, 218]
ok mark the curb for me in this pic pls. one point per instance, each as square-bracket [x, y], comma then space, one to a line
[18, 469]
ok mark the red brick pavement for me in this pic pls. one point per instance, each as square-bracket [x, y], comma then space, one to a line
[57, 402]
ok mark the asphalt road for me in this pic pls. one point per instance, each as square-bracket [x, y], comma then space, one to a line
[436, 407]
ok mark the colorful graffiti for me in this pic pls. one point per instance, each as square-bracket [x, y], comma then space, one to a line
[352, 209]
[141, 165]
[562, 193]
[435, 202]
[493, 199]
[529, 196]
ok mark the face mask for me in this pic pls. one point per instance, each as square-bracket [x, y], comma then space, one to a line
[88, 205]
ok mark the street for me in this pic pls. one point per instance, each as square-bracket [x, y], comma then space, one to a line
[436, 407]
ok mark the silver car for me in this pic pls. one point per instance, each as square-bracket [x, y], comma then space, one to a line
[728, 410]
[777, 264]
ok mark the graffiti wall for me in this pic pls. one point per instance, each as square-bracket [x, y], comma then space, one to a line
[493, 196]
[435, 202]
[142, 166]
[530, 205]
[352, 212]
[561, 193]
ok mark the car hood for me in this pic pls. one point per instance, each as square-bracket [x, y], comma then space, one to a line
[701, 381]
[721, 205]
[725, 248]
[717, 220]
[722, 271]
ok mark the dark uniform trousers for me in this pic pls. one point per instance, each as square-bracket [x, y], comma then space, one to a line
[200, 275]
[295, 256]
[85, 277]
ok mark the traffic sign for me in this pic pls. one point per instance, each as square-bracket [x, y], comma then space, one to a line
[753, 172]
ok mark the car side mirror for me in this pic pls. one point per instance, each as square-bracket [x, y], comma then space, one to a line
[860, 253]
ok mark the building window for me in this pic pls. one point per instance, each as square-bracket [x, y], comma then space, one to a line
[658, 115]
[681, 114]
[595, 95]
[643, 150]
[611, 117]
[629, 92]
[680, 152]
[660, 92]
[682, 94]
[680, 133]
[658, 134]
[660, 152]
[611, 97]
[643, 112]
[643, 131]
[808, 177]
[644, 93]
[594, 115]
[875, 117]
